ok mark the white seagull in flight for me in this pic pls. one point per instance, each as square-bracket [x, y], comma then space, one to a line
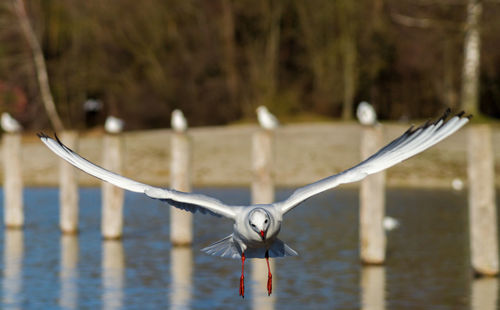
[266, 119]
[256, 227]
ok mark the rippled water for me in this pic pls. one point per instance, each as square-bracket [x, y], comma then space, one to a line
[427, 263]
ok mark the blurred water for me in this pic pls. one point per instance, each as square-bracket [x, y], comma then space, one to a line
[427, 265]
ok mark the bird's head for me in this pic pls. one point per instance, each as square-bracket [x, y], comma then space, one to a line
[259, 220]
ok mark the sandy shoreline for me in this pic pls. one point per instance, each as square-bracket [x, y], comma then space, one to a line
[222, 156]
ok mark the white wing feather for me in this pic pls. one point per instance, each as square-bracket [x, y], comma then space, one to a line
[412, 142]
[186, 201]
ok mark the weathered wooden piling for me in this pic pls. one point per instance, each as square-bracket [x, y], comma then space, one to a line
[372, 203]
[13, 182]
[262, 155]
[112, 196]
[262, 193]
[482, 207]
[181, 222]
[68, 188]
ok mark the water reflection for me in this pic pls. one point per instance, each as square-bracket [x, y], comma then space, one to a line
[373, 288]
[428, 265]
[484, 294]
[260, 299]
[181, 274]
[113, 264]
[13, 263]
[69, 271]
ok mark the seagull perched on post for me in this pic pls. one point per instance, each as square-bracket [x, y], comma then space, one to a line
[266, 119]
[366, 114]
[256, 227]
[113, 124]
[9, 124]
[178, 121]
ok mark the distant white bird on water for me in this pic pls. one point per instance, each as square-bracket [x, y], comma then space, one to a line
[178, 121]
[9, 124]
[457, 184]
[256, 227]
[266, 119]
[366, 114]
[390, 223]
[113, 124]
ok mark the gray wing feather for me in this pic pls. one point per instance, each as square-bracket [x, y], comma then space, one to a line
[185, 201]
[410, 143]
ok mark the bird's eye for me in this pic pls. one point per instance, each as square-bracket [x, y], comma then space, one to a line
[265, 221]
[253, 225]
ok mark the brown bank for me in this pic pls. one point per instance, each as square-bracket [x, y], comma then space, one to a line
[221, 156]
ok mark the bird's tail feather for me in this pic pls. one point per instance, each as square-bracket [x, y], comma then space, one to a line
[228, 248]
[224, 248]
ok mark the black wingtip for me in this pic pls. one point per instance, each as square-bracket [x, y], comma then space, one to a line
[57, 139]
[445, 115]
[42, 135]
[461, 114]
[409, 130]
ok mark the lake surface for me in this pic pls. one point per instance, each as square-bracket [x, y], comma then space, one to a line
[427, 260]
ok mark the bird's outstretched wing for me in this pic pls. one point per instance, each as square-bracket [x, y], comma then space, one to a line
[186, 201]
[412, 142]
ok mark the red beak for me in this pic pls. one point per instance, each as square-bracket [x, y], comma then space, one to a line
[262, 234]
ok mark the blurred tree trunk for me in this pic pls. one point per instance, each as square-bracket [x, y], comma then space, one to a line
[229, 47]
[350, 76]
[272, 49]
[263, 56]
[347, 19]
[449, 93]
[41, 69]
[319, 34]
[470, 69]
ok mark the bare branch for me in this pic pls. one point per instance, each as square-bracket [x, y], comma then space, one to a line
[41, 68]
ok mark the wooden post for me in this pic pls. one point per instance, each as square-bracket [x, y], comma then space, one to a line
[262, 193]
[69, 272]
[262, 153]
[68, 188]
[372, 203]
[13, 182]
[113, 274]
[112, 196]
[181, 222]
[482, 207]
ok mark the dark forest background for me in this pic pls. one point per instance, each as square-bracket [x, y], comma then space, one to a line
[218, 60]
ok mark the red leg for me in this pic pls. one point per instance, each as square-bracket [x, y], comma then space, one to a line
[242, 279]
[269, 276]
